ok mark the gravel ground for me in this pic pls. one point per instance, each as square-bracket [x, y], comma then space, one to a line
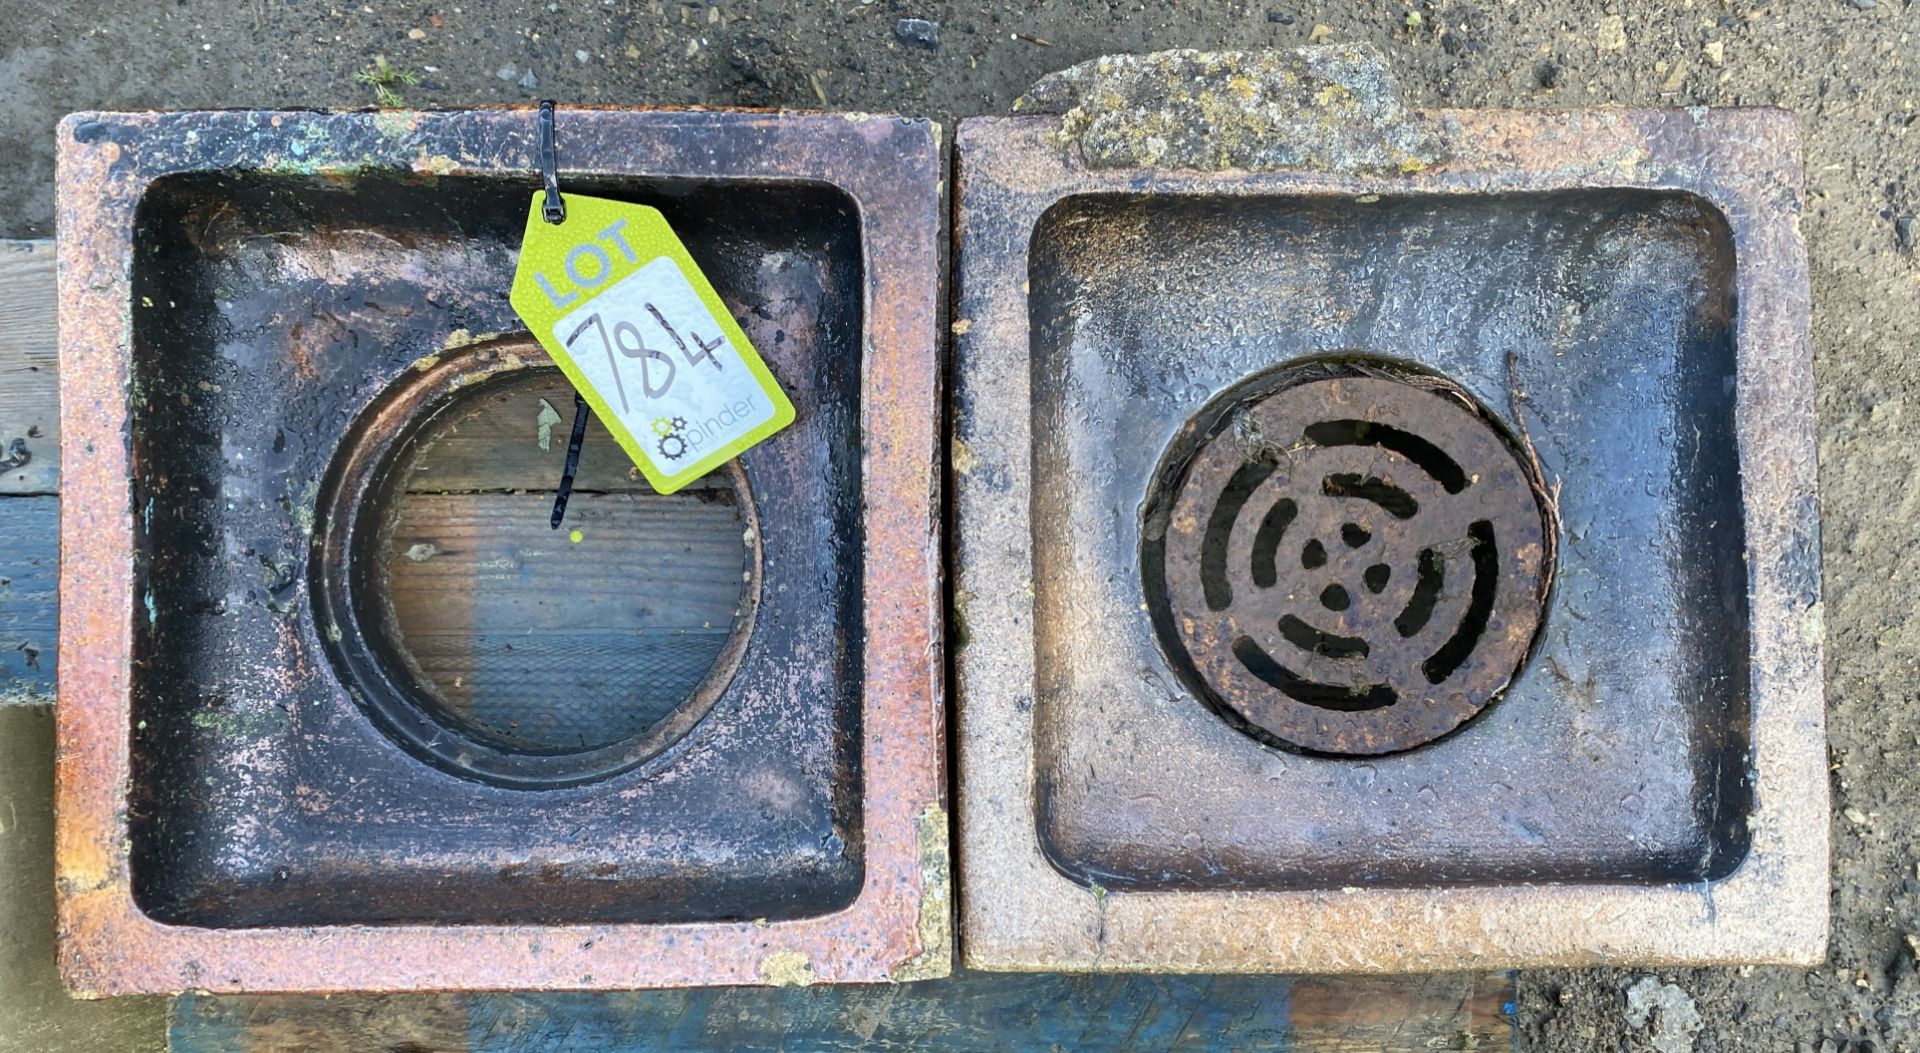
[1849, 68]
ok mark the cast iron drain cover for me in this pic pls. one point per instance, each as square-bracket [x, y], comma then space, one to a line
[1351, 564]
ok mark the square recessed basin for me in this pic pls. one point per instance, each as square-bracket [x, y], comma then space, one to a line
[1365, 572]
[342, 711]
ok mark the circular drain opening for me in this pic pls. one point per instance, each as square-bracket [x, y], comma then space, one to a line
[487, 643]
[1346, 558]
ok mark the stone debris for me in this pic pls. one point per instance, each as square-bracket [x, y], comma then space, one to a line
[1611, 33]
[917, 33]
[1332, 107]
[1664, 1010]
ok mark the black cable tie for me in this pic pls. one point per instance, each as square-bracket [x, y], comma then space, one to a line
[573, 460]
[553, 210]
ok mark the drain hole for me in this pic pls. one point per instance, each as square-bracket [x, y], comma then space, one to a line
[1312, 693]
[1335, 598]
[1398, 503]
[1213, 554]
[1266, 542]
[1376, 577]
[1428, 457]
[1426, 593]
[550, 641]
[1325, 644]
[1486, 584]
[1355, 535]
[1313, 555]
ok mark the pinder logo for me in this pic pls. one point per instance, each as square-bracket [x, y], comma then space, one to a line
[672, 443]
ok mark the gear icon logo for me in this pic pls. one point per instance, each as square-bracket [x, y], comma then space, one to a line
[672, 441]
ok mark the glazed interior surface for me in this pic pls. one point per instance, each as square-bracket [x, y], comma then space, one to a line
[270, 310]
[1597, 326]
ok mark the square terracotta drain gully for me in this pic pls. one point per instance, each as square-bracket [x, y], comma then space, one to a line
[338, 711]
[1387, 567]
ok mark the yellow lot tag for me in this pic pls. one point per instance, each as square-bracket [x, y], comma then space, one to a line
[626, 314]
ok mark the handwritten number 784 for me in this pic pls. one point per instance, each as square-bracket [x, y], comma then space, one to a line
[657, 368]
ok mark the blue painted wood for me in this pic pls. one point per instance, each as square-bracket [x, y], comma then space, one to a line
[965, 1013]
[29, 581]
[984, 1012]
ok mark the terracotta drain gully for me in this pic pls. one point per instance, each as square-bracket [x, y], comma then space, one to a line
[1385, 542]
[339, 712]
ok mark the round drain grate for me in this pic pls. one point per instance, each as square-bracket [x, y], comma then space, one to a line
[1348, 564]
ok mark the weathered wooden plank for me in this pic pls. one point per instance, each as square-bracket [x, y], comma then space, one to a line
[1433, 1011]
[493, 442]
[29, 465]
[29, 384]
[644, 560]
[966, 1012]
[600, 629]
[35, 1013]
[29, 583]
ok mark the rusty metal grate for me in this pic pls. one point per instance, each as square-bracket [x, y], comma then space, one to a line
[1347, 560]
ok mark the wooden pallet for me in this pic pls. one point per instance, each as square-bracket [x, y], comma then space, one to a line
[969, 1011]
[999, 1012]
